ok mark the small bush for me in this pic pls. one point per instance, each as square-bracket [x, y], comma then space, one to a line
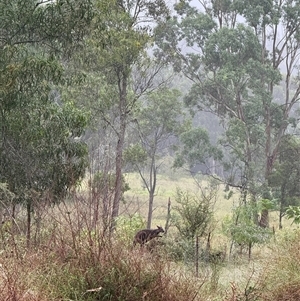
[193, 213]
[102, 182]
[180, 249]
[128, 226]
[243, 231]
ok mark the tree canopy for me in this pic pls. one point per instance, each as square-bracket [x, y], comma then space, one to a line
[237, 55]
[239, 60]
[41, 155]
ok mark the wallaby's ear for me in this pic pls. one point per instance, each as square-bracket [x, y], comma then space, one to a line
[160, 228]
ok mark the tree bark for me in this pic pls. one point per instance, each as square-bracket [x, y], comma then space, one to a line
[122, 85]
[152, 187]
[150, 210]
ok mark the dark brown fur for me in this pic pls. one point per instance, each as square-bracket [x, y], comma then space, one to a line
[145, 235]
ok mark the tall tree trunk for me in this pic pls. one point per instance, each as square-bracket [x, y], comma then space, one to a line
[122, 84]
[152, 187]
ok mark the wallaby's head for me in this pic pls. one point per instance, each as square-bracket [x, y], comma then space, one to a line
[159, 230]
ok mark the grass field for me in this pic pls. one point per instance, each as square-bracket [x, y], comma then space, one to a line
[138, 196]
[238, 269]
[137, 199]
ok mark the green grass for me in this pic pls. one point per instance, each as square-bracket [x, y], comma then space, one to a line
[238, 269]
[137, 197]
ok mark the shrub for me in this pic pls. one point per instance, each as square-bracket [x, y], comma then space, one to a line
[242, 229]
[193, 213]
[106, 182]
[119, 274]
[180, 249]
[127, 226]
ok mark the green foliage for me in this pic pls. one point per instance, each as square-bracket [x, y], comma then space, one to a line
[293, 212]
[285, 176]
[183, 250]
[128, 226]
[266, 204]
[195, 148]
[6, 196]
[53, 24]
[43, 155]
[120, 41]
[120, 34]
[135, 155]
[229, 50]
[235, 74]
[159, 121]
[106, 182]
[193, 213]
[72, 288]
[160, 112]
[40, 148]
[242, 229]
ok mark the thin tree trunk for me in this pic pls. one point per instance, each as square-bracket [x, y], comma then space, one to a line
[28, 234]
[118, 182]
[152, 187]
[150, 210]
[13, 219]
[168, 217]
[280, 220]
[249, 251]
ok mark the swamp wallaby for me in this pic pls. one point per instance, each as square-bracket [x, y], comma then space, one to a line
[143, 236]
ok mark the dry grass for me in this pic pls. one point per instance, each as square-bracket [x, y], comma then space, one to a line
[80, 268]
[282, 268]
[72, 259]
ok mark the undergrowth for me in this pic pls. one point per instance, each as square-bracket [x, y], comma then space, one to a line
[282, 269]
[75, 259]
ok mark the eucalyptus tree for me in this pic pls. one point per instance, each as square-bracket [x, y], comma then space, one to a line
[238, 55]
[158, 123]
[39, 156]
[285, 176]
[121, 32]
